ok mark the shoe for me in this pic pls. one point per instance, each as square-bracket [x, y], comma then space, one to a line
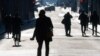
[31, 38]
[69, 35]
[82, 34]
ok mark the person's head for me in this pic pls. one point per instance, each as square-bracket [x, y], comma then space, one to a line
[42, 13]
[68, 13]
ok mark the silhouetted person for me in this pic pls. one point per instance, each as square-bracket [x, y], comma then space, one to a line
[94, 19]
[84, 22]
[8, 24]
[17, 29]
[67, 22]
[43, 32]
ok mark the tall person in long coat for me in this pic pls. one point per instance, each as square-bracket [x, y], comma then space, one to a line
[43, 32]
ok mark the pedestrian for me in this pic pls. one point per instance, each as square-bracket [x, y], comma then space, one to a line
[67, 23]
[94, 19]
[8, 24]
[43, 32]
[17, 29]
[84, 22]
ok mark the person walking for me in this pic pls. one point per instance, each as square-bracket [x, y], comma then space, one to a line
[17, 29]
[43, 32]
[8, 24]
[84, 22]
[94, 19]
[67, 23]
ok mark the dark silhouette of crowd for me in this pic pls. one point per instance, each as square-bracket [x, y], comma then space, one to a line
[44, 28]
[12, 26]
[85, 19]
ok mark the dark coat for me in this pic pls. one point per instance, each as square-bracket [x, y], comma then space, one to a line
[67, 19]
[94, 19]
[83, 19]
[43, 27]
[17, 25]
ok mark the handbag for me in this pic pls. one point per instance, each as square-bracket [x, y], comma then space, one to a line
[50, 35]
[63, 21]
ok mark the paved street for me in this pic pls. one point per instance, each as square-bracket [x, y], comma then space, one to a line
[61, 45]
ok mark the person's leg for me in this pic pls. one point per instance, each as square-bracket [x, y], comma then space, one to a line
[13, 35]
[8, 35]
[70, 30]
[47, 48]
[19, 36]
[85, 30]
[96, 30]
[66, 30]
[15, 38]
[39, 48]
[82, 30]
[92, 29]
[87, 27]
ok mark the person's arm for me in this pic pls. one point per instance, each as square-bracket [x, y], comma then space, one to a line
[71, 16]
[51, 25]
[34, 34]
[79, 17]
